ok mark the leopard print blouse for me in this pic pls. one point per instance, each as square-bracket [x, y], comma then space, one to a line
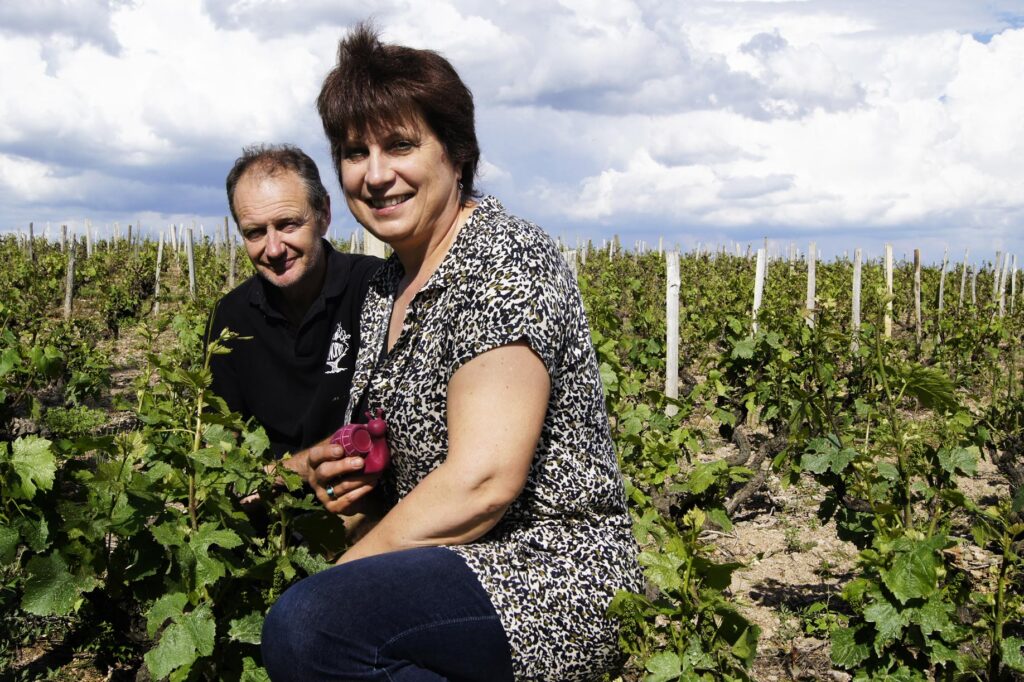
[563, 548]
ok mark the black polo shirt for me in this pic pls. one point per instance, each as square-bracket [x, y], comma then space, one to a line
[294, 382]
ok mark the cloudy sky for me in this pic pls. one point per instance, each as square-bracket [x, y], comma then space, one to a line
[846, 122]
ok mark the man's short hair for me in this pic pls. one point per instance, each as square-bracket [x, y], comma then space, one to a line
[275, 158]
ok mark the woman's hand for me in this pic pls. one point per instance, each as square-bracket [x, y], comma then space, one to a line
[328, 468]
[496, 407]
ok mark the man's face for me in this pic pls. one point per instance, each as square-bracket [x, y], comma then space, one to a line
[279, 227]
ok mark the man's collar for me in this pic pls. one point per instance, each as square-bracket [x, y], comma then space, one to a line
[338, 268]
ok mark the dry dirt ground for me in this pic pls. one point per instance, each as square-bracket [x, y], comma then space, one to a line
[792, 561]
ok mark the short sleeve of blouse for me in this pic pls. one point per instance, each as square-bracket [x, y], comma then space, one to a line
[518, 293]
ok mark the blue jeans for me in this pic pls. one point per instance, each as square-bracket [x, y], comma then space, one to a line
[408, 616]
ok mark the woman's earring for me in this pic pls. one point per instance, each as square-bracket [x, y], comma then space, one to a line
[460, 186]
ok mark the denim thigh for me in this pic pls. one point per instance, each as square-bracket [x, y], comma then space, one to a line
[418, 614]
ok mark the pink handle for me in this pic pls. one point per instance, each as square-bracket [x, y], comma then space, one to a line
[366, 440]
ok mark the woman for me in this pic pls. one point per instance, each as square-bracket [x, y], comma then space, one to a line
[503, 531]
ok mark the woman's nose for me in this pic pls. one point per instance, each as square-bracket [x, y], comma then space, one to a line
[379, 171]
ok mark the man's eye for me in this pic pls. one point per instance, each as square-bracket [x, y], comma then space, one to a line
[252, 235]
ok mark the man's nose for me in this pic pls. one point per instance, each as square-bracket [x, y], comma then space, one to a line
[275, 246]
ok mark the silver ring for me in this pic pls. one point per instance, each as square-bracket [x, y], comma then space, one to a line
[330, 491]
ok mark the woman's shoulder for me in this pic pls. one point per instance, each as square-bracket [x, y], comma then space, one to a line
[492, 219]
[501, 238]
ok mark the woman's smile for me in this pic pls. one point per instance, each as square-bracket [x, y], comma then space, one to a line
[388, 202]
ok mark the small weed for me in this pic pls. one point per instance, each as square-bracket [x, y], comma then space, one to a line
[819, 620]
[790, 626]
[794, 541]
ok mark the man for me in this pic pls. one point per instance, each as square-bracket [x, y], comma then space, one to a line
[301, 308]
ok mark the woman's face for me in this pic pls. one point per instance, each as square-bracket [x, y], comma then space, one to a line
[399, 184]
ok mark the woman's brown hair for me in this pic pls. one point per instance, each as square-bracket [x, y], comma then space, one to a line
[374, 84]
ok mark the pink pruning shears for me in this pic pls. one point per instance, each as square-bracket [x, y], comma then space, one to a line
[367, 441]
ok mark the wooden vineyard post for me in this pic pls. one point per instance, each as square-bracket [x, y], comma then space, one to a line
[855, 306]
[888, 291]
[88, 239]
[1013, 285]
[942, 295]
[963, 282]
[31, 245]
[227, 231]
[63, 238]
[69, 282]
[996, 267]
[190, 255]
[917, 294]
[661, 246]
[159, 264]
[759, 275]
[371, 245]
[1002, 284]
[570, 258]
[231, 260]
[974, 286]
[672, 330]
[174, 237]
[812, 262]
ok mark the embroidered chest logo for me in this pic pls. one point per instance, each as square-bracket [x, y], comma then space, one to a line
[338, 350]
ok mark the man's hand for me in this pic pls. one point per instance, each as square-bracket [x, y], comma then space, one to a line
[328, 466]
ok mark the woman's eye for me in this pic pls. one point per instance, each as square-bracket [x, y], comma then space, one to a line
[402, 146]
[353, 154]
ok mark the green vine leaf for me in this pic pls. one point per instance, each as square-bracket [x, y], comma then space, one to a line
[935, 615]
[914, 573]
[849, 648]
[824, 454]
[931, 386]
[664, 667]
[1012, 654]
[662, 570]
[253, 672]
[35, 465]
[963, 460]
[8, 544]
[888, 621]
[51, 589]
[704, 475]
[185, 640]
[247, 629]
[163, 609]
